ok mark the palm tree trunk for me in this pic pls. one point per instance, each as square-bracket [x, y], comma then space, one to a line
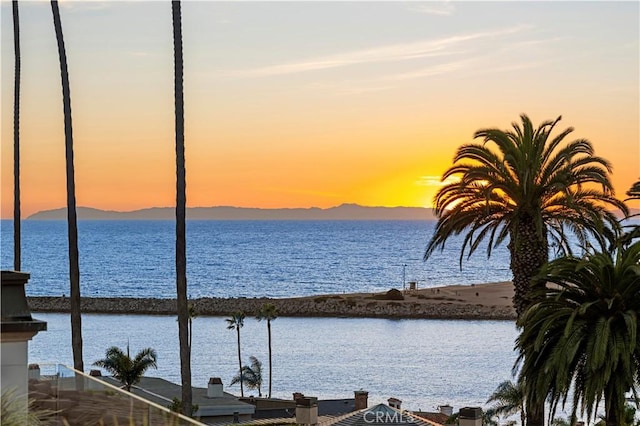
[270, 362]
[72, 221]
[614, 403]
[529, 252]
[240, 365]
[181, 201]
[16, 138]
[190, 332]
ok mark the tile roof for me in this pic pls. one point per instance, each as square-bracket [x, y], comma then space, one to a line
[436, 418]
[380, 415]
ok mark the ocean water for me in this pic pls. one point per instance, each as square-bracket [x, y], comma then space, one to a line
[244, 258]
[424, 363]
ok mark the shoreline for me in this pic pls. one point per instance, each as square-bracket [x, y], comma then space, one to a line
[492, 301]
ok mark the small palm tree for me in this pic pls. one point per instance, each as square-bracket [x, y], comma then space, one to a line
[236, 322]
[509, 400]
[583, 332]
[250, 375]
[269, 313]
[125, 369]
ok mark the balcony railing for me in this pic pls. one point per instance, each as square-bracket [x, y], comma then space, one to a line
[70, 397]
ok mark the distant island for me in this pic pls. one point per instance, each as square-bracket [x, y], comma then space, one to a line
[341, 212]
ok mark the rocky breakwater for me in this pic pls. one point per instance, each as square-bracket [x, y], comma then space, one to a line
[392, 304]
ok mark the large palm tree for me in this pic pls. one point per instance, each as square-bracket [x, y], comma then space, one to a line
[268, 312]
[127, 370]
[16, 138]
[72, 220]
[236, 322]
[250, 375]
[583, 332]
[181, 202]
[508, 399]
[524, 186]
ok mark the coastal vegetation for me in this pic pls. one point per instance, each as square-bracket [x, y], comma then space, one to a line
[236, 322]
[521, 186]
[582, 332]
[72, 220]
[12, 411]
[268, 312]
[176, 406]
[508, 400]
[251, 376]
[181, 203]
[16, 137]
[127, 370]
[529, 188]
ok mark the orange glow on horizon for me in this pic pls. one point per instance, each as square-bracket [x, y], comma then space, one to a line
[272, 121]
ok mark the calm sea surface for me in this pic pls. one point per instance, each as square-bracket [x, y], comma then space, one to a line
[243, 258]
[425, 363]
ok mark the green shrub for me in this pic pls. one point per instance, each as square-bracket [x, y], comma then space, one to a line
[394, 294]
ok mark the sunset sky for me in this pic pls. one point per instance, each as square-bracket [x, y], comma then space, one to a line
[301, 104]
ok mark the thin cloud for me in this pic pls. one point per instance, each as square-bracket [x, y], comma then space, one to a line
[431, 71]
[350, 88]
[445, 8]
[391, 53]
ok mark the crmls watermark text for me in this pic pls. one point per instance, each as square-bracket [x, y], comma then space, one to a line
[386, 417]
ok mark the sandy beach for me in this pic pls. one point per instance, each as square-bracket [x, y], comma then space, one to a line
[490, 301]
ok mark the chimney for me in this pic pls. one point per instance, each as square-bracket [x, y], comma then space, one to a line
[95, 373]
[34, 371]
[297, 395]
[361, 398]
[394, 403]
[446, 409]
[470, 416]
[307, 411]
[215, 388]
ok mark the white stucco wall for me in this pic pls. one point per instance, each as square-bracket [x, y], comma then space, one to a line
[13, 356]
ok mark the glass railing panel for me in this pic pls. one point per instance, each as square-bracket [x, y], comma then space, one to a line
[70, 397]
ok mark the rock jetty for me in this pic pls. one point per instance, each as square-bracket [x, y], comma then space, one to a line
[416, 305]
